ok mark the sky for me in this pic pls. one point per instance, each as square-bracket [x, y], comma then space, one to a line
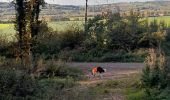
[82, 2]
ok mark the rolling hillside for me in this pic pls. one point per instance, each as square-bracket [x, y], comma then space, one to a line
[62, 12]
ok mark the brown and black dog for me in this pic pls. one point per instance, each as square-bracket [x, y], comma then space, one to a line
[98, 70]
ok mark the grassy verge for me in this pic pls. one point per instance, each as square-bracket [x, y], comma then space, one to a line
[121, 89]
[134, 94]
[15, 84]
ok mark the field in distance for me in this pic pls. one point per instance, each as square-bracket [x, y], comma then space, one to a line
[8, 29]
[159, 19]
[56, 25]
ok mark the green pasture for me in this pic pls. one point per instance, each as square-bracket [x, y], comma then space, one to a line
[58, 25]
[6, 27]
[8, 31]
[166, 19]
[64, 25]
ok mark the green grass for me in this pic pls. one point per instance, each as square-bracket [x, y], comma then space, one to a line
[159, 19]
[59, 26]
[64, 25]
[8, 29]
[134, 94]
[4, 26]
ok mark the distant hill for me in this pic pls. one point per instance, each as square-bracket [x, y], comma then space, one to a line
[57, 12]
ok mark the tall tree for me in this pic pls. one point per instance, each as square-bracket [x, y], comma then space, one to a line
[20, 27]
[27, 15]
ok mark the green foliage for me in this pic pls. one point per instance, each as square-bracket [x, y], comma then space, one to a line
[102, 55]
[53, 87]
[62, 26]
[155, 78]
[123, 57]
[49, 42]
[46, 42]
[105, 87]
[96, 29]
[135, 94]
[15, 85]
[8, 28]
[166, 43]
[71, 39]
[5, 47]
[61, 70]
[155, 34]
[126, 33]
[110, 37]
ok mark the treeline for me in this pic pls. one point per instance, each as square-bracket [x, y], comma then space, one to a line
[109, 37]
[6, 22]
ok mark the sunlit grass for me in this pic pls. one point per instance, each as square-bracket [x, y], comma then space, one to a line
[8, 29]
[166, 19]
[6, 26]
[64, 25]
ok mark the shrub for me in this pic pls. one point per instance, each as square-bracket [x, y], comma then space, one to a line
[53, 87]
[71, 38]
[16, 85]
[102, 55]
[5, 46]
[57, 83]
[2, 60]
[155, 77]
[9, 64]
[61, 70]
[49, 42]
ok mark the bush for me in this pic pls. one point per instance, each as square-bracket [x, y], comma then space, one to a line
[8, 64]
[61, 70]
[2, 60]
[16, 85]
[53, 87]
[71, 38]
[102, 55]
[49, 42]
[155, 77]
[5, 46]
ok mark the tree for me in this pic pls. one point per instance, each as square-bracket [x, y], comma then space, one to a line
[20, 28]
[125, 32]
[27, 14]
[96, 29]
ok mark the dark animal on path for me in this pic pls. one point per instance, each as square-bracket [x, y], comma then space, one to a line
[98, 70]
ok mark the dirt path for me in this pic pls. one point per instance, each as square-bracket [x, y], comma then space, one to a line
[115, 71]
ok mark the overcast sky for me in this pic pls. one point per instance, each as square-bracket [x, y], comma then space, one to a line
[82, 2]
